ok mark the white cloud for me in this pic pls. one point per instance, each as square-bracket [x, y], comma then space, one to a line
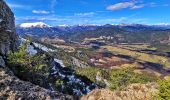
[137, 6]
[40, 12]
[153, 4]
[53, 5]
[134, 4]
[84, 14]
[18, 6]
[121, 5]
[15, 6]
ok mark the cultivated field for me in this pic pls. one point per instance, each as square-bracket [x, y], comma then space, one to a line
[165, 61]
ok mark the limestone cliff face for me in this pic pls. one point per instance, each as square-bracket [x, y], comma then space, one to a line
[8, 35]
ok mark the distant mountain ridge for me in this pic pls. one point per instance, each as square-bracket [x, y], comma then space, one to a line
[42, 29]
[123, 33]
[42, 24]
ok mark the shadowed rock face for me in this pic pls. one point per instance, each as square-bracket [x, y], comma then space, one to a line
[8, 35]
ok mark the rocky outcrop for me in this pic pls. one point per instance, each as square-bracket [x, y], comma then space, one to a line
[76, 62]
[8, 35]
[132, 92]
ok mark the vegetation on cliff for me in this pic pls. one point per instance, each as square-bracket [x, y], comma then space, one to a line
[29, 67]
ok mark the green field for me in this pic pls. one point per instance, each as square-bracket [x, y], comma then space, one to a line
[140, 56]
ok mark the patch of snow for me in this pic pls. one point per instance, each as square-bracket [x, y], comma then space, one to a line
[8, 30]
[54, 73]
[22, 39]
[83, 84]
[62, 87]
[60, 62]
[1, 20]
[77, 92]
[36, 24]
[51, 88]
[64, 25]
[78, 81]
[31, 50]
[42, 47]
[85, 25]
[63, 76]
[53, 68]
[71, 78]
[98, 78]
[87, 89]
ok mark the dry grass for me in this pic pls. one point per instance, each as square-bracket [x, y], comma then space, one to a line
[167, 77]
[138, 47]
[132, 92]
[66, 48]
[148, 71]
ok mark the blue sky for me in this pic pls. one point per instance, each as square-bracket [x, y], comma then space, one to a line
[71, 12]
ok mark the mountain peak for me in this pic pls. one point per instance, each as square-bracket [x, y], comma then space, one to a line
[36, 24]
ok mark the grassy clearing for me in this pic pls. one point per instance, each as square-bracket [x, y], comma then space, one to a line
[138, 47]
[140, 56]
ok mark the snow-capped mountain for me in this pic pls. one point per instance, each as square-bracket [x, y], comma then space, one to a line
[40, 29]
[64, 25]
[163, 25]
[36, 24]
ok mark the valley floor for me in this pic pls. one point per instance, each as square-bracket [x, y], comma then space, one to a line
[79, 69]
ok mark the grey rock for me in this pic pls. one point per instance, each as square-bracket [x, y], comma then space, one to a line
[78, 63]
[2, 62]
[8, 36]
